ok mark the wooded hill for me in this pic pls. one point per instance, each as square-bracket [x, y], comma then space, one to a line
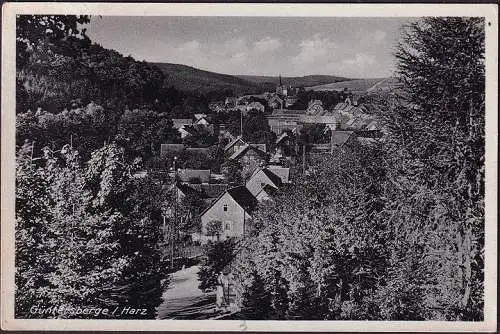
[193, 80]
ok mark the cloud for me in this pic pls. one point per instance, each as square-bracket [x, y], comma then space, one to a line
[361, 60]
[191, 46]
[315, 49]
[267, 44]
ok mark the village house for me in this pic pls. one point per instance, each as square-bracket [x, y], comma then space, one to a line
[234, 146]
[285, 119]
[250, 158]
[181, 124]
[275, 102]
[282, 172]
[188, 175]
[261, 178]
[233, 210]
[237, 143]
[171, 149]
[283, 149]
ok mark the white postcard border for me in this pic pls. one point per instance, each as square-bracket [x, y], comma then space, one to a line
[9, 12]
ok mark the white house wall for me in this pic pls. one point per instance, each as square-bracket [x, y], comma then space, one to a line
[233, 217]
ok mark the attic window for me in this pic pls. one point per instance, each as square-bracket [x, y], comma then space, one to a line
[225, 207]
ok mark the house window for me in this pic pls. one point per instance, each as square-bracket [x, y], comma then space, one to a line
[225, 207]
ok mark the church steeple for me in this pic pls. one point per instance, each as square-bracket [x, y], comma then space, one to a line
[281, 84]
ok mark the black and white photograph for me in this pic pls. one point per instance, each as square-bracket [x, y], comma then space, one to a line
[278, 167]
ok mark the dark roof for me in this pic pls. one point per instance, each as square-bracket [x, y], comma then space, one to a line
[273, 177]
[179, 122]
[341, 137]
[210, 190]
[243, 197]
[171, 148]
[278, 112]
[261, 147]
[234, 141]
[186, 174]
[189, 191]
[236, 155]
[203, 150]
[268, 189]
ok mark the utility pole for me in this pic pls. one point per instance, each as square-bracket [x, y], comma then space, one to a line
[303, 158]
[172, 231]
[241, 124]
[331, 141]
[32, 149]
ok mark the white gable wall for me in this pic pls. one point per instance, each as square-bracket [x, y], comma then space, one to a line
[232, 219]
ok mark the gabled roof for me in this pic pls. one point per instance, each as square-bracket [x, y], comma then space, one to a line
[281, 137]
[244, 149]
[341, 137]
[261, 147]
[210, 190]
[282, 172]
[273, 177]
[241, 195]
[187, 174]
[179, 122]
[188, 190]
[275, 97]
[267, 189]
[233, 142]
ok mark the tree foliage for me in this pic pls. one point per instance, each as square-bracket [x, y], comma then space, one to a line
[395, 232]
[217, 258]
[98, 232]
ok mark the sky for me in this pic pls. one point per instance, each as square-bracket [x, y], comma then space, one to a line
[290, 46]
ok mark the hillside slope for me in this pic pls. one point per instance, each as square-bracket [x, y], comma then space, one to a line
[305, 81]
[358, 85]
[187, 78]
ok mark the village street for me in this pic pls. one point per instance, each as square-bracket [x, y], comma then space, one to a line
[184, 300]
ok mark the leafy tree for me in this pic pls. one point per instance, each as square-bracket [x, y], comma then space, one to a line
[88, 258]
[214, 228]
[32, 28]
[217, 257]
[202, 136]
[33, 216]
[437, 135]
[143, 131]
[314, 134]
[256, 304]
[302, 243]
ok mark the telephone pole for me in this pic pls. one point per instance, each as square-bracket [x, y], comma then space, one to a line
[241, 124]
[173, 229]
[303, 158]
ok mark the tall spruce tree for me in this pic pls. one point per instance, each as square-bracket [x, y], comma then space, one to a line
[436, 157]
